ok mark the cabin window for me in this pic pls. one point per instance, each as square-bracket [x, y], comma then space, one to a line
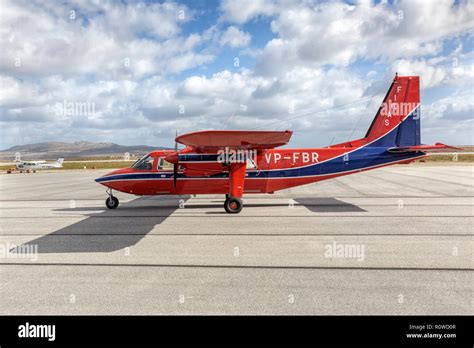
[144, 163]
[164, 164]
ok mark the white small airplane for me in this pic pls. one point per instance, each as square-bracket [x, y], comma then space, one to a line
[37, 165]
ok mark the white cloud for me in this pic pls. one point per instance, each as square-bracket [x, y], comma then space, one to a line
[17, 94]
[456, 69]
[336, 33]
[458, 107]
[108, 39]
[430, 75]
[235, 37]
[245, 10]
[244, 100]
[450, 118]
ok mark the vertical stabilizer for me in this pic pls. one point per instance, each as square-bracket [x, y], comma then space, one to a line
[397, 122]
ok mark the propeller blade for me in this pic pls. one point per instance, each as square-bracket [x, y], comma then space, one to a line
[175, 142]
[175, 174]
[175, 165]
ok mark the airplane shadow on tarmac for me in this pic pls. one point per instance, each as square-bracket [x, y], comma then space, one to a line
[314, 204]
[108, 230]
[112, 230]
[328, 205]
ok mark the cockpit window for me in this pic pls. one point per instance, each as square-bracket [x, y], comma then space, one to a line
[144, 163]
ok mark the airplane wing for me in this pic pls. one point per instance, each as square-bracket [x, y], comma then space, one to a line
[217, 139]
[438, 147]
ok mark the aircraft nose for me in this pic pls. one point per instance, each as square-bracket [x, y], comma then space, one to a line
[104, 177]
[101, 178]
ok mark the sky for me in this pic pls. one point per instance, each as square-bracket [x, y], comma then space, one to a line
[137, 72]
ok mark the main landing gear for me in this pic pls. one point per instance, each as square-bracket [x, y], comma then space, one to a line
[233, 205]
[111, 202]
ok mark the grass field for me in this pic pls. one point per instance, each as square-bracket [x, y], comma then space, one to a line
[450, 158]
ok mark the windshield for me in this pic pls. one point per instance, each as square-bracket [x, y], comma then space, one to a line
[144, 163]
[138, 160]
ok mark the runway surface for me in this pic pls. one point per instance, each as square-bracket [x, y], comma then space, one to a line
[397, 240]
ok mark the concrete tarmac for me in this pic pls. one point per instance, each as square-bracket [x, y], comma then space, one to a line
[397, 240]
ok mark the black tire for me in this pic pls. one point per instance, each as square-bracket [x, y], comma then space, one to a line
[112, 202]
[233, 205]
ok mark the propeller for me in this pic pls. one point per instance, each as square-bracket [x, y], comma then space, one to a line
[175, 165]
[174, 158]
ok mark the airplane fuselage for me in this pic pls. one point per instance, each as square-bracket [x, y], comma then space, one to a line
[38, 165]
[276, 169]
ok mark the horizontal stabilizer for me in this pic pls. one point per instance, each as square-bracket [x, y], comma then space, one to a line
[438, 147]
[235, 139]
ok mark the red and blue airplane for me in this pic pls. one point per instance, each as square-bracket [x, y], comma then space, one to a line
[235, 163]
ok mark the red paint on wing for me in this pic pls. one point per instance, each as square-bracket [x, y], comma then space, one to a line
[216, 139]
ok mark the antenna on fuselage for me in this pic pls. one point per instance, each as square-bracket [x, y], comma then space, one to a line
[362, 114]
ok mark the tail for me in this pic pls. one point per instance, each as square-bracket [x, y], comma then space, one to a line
[397, 122]
[60, 161]
[396, 125]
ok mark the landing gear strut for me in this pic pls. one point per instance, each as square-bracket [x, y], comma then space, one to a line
[111, 202]
[233, 205]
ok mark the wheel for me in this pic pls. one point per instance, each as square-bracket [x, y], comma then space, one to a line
[233, 205]
[112, 202]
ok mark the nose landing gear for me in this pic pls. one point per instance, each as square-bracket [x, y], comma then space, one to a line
[111, 202]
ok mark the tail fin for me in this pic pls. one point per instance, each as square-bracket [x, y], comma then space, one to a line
[397, 122]
[60, 161]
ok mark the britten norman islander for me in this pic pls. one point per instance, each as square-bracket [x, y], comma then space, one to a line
[234, 163]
